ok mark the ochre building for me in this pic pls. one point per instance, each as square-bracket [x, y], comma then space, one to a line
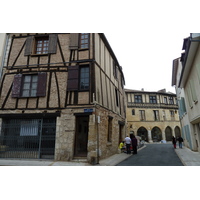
[152, 115]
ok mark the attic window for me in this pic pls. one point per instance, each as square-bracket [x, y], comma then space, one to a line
[41, 45]
[84, 40]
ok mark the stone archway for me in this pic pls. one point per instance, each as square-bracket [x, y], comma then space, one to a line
[168, 133]
[177, 131]
[156, 134]
[143, 133]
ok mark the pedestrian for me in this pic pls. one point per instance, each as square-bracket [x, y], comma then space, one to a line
[180, 140]
[121, 146]
[174, 142]
[127, 140]
[134, 144]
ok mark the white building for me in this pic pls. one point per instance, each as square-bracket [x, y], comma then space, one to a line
[186, 79]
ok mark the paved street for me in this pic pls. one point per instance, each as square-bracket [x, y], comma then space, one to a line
[154, 155]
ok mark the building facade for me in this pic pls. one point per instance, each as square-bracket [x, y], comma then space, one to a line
[152, 115]
[61, 97]
[186, 79]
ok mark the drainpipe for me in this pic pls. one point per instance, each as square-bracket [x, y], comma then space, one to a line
[97, 120]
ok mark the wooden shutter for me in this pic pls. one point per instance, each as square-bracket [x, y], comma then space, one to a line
[29, 46]
[52, 43]
[16, 88]
[193, 91]
[41, 88]
[74, 40]
[73, 78]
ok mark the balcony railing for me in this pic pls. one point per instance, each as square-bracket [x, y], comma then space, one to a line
[152, 105]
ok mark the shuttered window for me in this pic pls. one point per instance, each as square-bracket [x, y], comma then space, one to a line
[84, 78]
[193, 91]
[74, 40]
[41, 45]
[73, 78]
[29, 85]
[189, 97]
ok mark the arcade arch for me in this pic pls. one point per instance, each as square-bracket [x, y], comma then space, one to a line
[143, 133]
[177, 131]
[156, 134]
[168, 133]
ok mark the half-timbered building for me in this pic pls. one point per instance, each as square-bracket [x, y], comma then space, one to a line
[61, 97]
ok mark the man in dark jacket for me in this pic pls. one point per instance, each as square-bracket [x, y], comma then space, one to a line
[180, 140]
[134, 144]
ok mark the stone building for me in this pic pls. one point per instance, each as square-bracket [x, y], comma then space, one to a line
[186, 79]
[61, 97]
[152, 115]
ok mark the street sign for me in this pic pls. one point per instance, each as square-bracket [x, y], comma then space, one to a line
[88, 110]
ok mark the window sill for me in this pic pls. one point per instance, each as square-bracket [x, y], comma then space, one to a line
[45, 54]
[85, 49]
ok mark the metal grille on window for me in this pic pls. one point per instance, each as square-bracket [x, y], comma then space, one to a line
[28, 138]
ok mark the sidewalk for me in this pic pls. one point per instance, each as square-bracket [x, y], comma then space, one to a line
[110, 161]
[188, 157]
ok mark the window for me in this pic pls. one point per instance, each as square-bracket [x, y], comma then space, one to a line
[142, 115]
[78, 78]
[165, 100]
[115, 71]
[41, 45]
[171, 101]
[84, 40]
[152, 99]
[29, 85]
[84, 78]
[138, 98]
[116, 96]
[172, 114]
[109, 139]
[133, 112]
[29, 127]
[156, 115]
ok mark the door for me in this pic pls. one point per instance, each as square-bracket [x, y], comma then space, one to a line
[81, 136]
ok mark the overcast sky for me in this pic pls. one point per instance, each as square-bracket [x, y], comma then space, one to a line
[146, 57]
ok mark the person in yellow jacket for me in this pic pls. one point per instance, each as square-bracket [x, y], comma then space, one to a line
[121, 146]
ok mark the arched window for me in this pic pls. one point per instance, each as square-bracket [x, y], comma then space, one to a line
[133, 112]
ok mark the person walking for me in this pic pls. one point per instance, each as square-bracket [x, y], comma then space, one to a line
[180, 140]
[127, 140]
[174, 142]
[134, 144]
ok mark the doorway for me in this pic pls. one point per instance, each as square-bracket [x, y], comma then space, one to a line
[81, 136]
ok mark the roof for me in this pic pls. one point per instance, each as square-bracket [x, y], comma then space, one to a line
[163, 91]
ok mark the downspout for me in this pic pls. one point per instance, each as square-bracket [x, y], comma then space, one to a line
[97, 125]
